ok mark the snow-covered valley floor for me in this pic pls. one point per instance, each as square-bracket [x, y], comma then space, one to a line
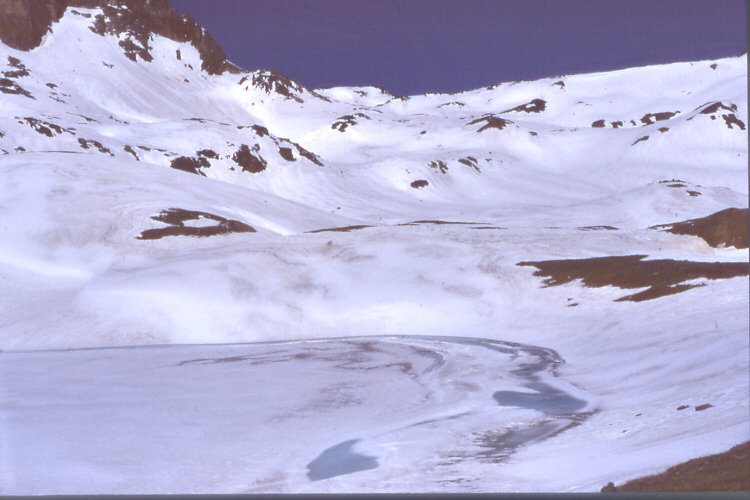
[231, 283]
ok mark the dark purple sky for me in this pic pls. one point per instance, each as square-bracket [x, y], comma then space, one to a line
[418, 46]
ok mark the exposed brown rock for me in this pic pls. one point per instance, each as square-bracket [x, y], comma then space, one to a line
[454, 103]
[491, 121]
[286, 153]
[662, 277]
[44, 127]
[8, 86]
[649, 118]
[176, 218]
[598, 228]
[728, 471]
[207, 153]
[730, 119]
[87, 143]
[129, 149]
[343, 122]
[190, 164]
[713, 107]
[438, 165]
[249, 161]
[419, 184]
[260, 130]
[309, 155]
[270, 82]
[25, 22]
[438, 222]
[345, 229]
[728, 228]
[533, 106]
[470, 161]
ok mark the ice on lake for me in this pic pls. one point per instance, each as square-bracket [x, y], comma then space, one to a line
[288, 416]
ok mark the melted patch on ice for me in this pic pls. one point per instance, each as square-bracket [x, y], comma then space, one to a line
[339, 460]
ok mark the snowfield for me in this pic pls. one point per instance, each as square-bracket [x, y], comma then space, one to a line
[231, 283]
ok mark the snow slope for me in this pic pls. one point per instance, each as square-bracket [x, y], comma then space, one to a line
[94, 145]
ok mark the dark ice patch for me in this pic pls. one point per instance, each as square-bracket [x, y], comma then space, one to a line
[549, 400]
[339, 460]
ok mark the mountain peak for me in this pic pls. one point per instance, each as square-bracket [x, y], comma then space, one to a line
[25, 22]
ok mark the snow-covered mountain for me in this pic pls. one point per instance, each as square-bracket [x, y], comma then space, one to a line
[152, 193]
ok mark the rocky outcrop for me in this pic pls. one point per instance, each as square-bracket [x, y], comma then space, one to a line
[24, 23]
[727, 228]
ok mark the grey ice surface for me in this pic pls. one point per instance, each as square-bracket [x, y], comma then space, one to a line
[339, 460]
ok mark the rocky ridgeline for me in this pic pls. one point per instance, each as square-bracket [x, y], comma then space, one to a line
[25, 22]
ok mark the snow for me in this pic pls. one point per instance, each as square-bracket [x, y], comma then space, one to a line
[94, 321]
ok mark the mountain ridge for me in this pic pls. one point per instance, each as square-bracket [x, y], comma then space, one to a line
[25, 22]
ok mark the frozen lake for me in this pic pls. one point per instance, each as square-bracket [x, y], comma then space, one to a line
[412, 413]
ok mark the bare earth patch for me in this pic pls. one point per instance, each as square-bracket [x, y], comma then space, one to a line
[177, 217]
[727, 228]
[728, 471]
[662, 277]
[437, 222]
[344, 229]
